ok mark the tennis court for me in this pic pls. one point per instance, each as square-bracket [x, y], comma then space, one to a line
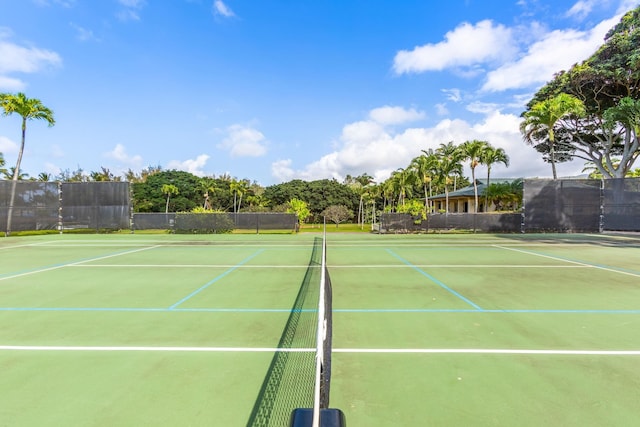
[437, 330]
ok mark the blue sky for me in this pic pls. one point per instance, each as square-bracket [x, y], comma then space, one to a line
[273, 90]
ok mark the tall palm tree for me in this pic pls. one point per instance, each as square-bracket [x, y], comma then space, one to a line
[169, 189]
[543, 117]
[449, 163]
[28, 109]
[2, 163]
[424, 166]
[360, 185]
[490, 157]
[238, 187]
[403, 181]
[472, 151]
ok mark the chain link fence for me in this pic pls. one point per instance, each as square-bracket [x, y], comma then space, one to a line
[568, 206]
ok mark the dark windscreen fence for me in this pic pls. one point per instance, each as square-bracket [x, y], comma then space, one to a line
[401, 223]
[227, 222]
[35, 206]
[265, 221]
[570, 205]
[203, 223]
[488, 223]
[153, 221]
[621, 204]
[96, 205]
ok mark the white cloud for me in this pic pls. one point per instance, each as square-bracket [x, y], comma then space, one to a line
[368, 147]
[63, 3]
[395, 115]
[466, 46]
[244, 141]
[219, 8]
[453, 94]
[11, 84]
[7, 146]
[441, 110]
[581, 9]
[193, 166]
[83, 34]
[119, 153]
[131, 9]
[481, 107]
[555, 51]
[15, 58]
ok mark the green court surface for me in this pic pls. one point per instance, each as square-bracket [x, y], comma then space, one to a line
[428, 330]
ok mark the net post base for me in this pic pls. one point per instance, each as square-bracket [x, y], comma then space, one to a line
[331, 417]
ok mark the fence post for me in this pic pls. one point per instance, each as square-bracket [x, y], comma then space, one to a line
[60, 218]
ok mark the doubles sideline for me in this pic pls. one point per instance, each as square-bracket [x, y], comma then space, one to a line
[313, 350]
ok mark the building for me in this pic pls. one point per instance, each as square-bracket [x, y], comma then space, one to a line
[462, 200]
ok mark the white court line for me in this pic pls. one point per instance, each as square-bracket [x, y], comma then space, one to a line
[156, 349]
[191, 266]
[312, 350]
[23, 246]
[489, 351]
[569, 261]
[73, 264]
[332, 267]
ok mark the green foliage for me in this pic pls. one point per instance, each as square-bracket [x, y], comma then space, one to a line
[149, 196]
[337, 213]
[602, 82]
[506, 195]
[415, 208]
[318, 194]
[299, 208]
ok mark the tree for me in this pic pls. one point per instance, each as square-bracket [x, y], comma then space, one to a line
[540, 121]
[490, 157]
[2, 163]
[44, 177]
[403, 181]
[361, 186]
[300, 208]
[28, 109]
[601, 82]
[238, 187]
[337, 213]
[473, 151]
[424, 166]
[506, 195]
[169, 189]
[449, 163]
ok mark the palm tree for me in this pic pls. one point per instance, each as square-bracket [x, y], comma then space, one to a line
[2, 163]
[44, 177]
[449, 163]
[403, 180]
[540, 121]
[169, 189]
[360, 185]
[472, 151]
[424, 167]
[207, 186]
[28, 109]
[490, 157]
[238, 187]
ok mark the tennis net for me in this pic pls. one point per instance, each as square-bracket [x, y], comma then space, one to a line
[321, 415]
